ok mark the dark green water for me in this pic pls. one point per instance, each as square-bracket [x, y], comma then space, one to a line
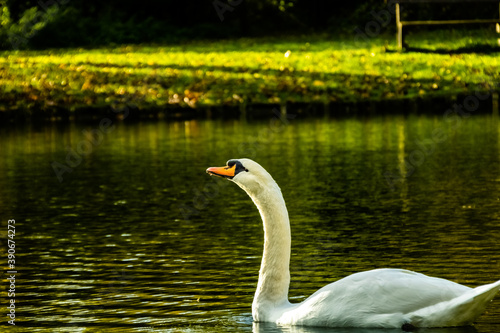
[137, 237]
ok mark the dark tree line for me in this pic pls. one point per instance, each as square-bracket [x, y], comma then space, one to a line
[62, 23]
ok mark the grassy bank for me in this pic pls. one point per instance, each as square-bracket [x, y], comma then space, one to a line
[299, 69]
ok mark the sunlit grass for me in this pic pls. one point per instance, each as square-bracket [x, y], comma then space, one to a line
[297, 69]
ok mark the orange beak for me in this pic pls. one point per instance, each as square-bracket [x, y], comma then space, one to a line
[224, 172]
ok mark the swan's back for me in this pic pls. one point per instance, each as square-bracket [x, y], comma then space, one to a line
[384, 298]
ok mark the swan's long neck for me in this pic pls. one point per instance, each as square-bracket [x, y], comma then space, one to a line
[274, 276]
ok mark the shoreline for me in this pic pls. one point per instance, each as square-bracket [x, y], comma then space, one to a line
[429, 105]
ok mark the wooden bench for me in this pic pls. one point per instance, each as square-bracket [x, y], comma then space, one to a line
[400, 24]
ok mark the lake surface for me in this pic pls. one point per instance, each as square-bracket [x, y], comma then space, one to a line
[135, 236]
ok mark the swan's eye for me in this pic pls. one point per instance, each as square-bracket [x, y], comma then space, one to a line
[239, 167]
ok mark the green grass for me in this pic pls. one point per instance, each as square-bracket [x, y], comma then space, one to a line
[295, 69]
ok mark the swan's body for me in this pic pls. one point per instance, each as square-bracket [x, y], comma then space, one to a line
[386, 298]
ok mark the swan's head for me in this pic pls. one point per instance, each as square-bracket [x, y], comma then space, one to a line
[249, 175]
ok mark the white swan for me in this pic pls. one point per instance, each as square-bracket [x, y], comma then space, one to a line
[385, 298]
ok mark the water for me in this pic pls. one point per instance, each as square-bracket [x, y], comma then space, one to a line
[137, 237]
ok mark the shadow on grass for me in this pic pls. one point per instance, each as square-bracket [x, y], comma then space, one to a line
[209, 85]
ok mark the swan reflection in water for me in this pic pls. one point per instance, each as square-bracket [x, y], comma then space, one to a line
[274, 328]
[383, 298]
